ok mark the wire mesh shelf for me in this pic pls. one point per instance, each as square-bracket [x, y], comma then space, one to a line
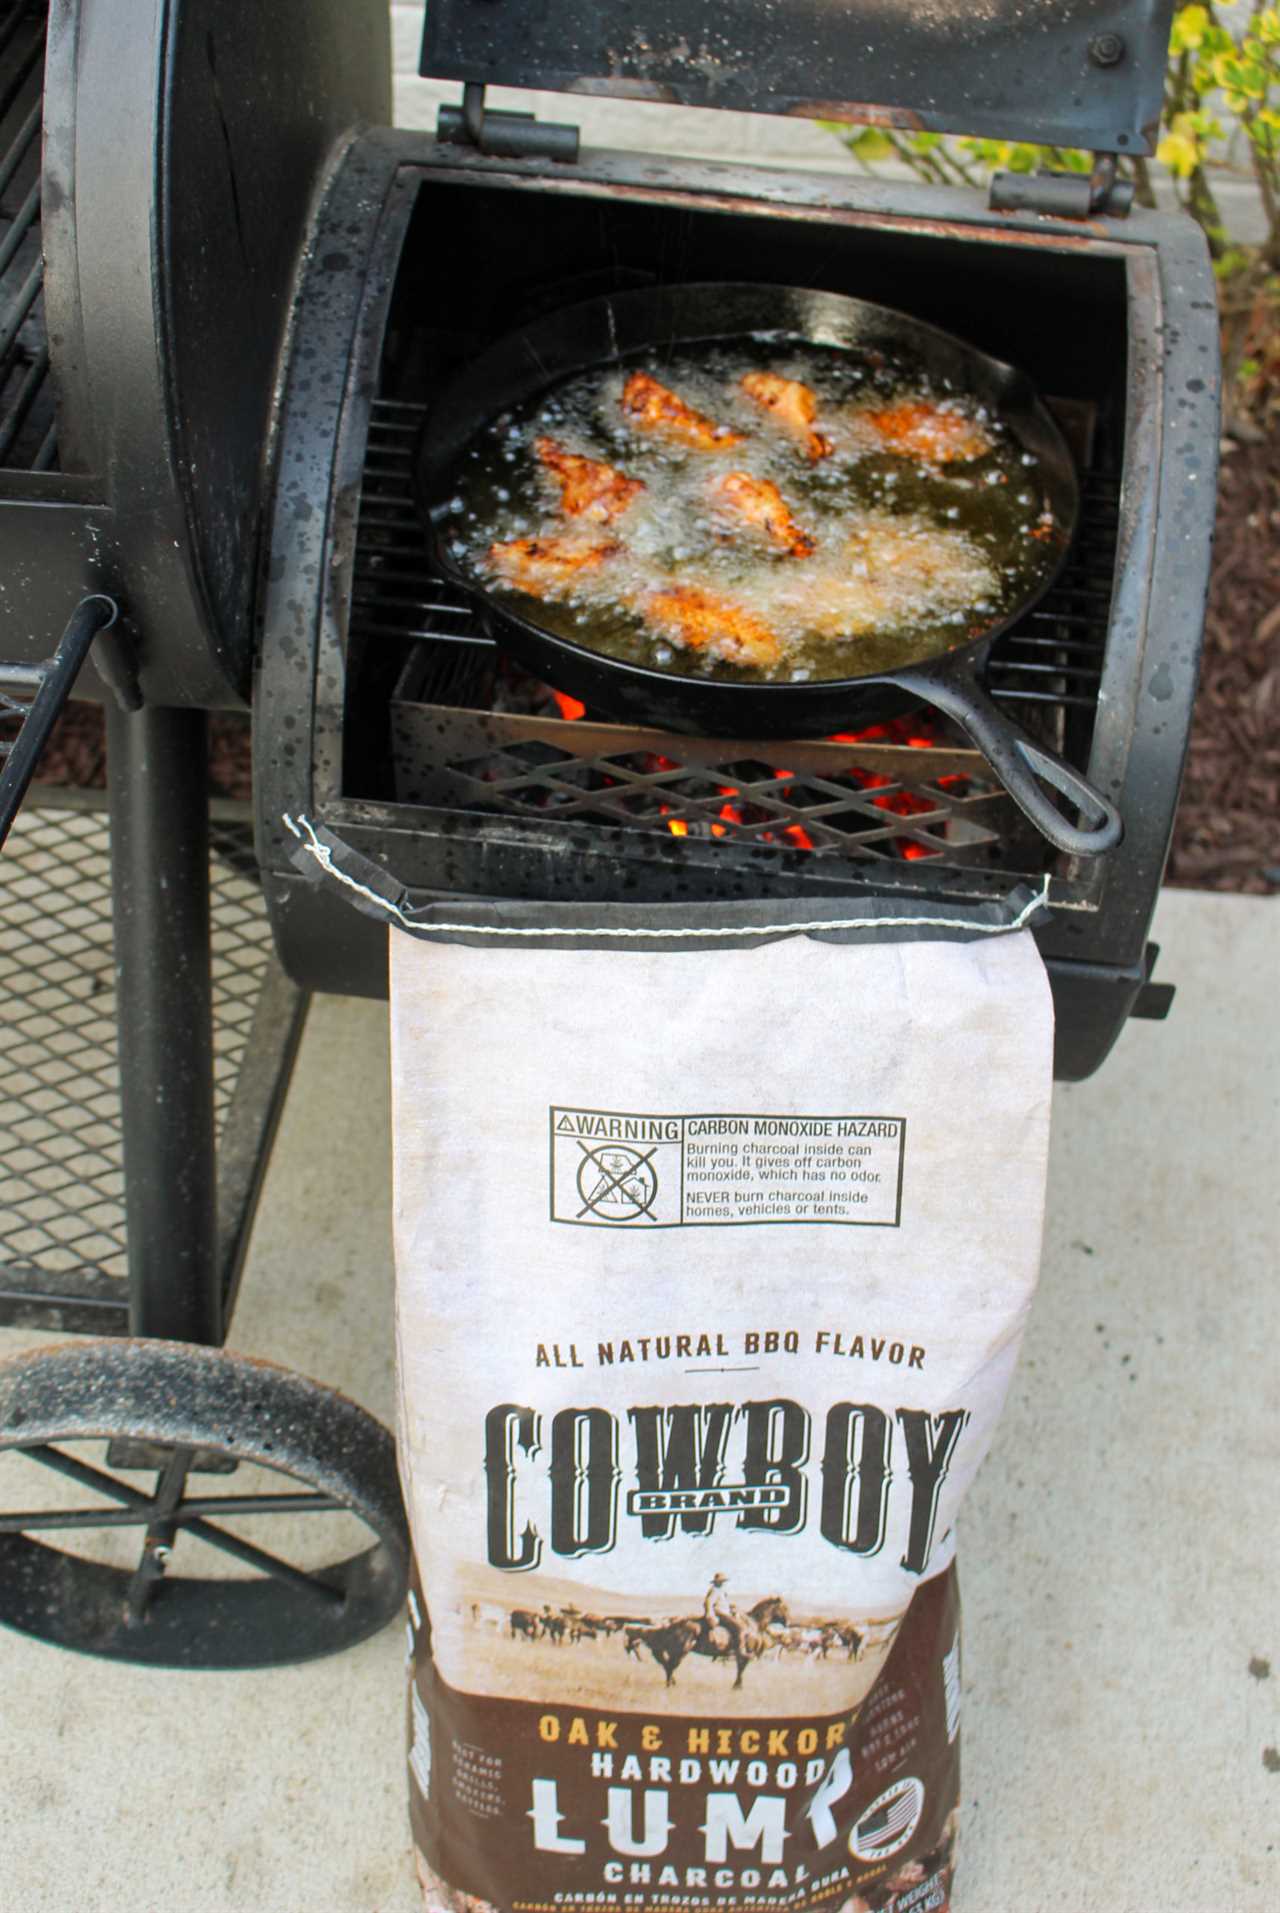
[62, 1223]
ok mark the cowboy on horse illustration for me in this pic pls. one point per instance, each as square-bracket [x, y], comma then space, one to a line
[718, 1611]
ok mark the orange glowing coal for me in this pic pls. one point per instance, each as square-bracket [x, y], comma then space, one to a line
[914, 731]
[729, 813]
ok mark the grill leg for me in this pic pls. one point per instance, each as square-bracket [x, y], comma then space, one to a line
[160, 884]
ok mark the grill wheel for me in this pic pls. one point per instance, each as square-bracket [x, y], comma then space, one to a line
[316, 1554]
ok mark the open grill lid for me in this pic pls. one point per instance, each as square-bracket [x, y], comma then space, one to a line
[1058, 72]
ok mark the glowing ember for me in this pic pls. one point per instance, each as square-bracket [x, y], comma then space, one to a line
[913, 731]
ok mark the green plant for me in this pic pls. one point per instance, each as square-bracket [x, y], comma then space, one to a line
[1222, 106]
[1222, 118]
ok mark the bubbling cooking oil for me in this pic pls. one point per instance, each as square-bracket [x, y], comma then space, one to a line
[909, 558]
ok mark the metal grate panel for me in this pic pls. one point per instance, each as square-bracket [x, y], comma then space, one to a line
[891, 794]
[61, 1176]
[28, 435]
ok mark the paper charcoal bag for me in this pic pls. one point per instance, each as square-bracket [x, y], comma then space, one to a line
[713, 1264]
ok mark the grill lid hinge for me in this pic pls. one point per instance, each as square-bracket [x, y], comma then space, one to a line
[503, 135]
[1065, 195]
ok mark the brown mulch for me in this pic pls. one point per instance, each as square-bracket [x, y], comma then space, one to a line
[77, 752]
[1227, 835]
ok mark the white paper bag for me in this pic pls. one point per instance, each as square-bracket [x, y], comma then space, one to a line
[712, 1270]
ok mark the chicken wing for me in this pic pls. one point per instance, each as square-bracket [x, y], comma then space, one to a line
[758, 503]
[885, 549]
[652, 407]
[692, 617]
[921, 570]
[546, 567]
[791, 405]
[917, 428]
[588, 488]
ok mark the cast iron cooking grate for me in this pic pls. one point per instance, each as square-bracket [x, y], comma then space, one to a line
[61, 1176]
[470, 731]
[28, 436]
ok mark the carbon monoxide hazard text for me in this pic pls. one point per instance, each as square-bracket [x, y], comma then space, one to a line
[625, 1170]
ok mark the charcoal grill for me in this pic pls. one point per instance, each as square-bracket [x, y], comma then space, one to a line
[232, 294]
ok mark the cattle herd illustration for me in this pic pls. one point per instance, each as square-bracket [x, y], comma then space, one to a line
[721, 1632]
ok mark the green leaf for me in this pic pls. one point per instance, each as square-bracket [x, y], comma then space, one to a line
[1217, 40]
[1180, 153]
[993, 153]
[1189, 25]
[870, 145]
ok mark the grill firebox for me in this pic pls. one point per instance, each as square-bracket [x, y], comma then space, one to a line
[386, 715]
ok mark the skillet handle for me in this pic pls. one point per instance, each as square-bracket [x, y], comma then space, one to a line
[1021, 764]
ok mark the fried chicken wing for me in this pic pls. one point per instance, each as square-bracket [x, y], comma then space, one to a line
[588, 488]
[651, 407]
[922, 568]
[830, 601]
[884, 548]
[918, 428]
[547, 567]
[791, 405]
[893, 572]
[758, 503]
[698, 619]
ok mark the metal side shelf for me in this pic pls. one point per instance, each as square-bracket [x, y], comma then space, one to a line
[63, 1253]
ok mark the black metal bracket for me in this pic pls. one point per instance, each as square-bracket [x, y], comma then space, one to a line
[1100, 193]
[35, 695]
[503, 135]
[1154, 1000]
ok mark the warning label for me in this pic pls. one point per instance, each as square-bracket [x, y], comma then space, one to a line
[614, 1170]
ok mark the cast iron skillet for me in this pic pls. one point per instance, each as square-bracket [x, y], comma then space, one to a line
[647, 323]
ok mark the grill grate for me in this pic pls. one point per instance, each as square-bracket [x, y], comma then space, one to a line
[61, 1179]
[896, 795]
[472, 732]
[28, 434]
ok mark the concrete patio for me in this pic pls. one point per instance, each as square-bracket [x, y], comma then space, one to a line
[1120, 1552]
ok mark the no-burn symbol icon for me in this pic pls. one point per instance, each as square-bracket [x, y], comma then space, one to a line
[616, 1183]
